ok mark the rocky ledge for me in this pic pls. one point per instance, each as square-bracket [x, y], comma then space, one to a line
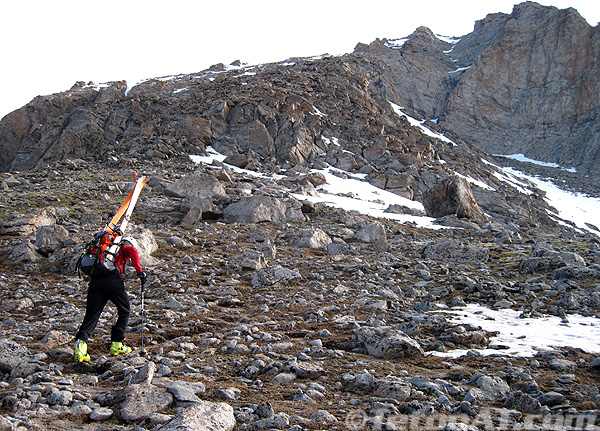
[265, 312]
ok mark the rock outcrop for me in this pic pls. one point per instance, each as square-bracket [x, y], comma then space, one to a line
[519, 83]
[453, 196]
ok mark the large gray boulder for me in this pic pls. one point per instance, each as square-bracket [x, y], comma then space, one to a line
[146, 244]
[388, 343]
[142, 400]
[311, 238]
[257, 209]
[50, 237]
[12, 354]
[197, 184]
[25, 252]
[202, 416]
[452, 196]
[25, 224]
[374, 232]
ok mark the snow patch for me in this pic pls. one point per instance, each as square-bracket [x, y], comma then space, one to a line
[478, 183]
[449, 39]
[576, 208]
[525, 336]
[460, 69]
[420, 124]
[522, 158]
[396, 43]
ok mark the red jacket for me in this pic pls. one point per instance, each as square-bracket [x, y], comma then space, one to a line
[126, 253]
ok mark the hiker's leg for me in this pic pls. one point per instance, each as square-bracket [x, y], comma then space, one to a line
[95, 303]
[118, 296]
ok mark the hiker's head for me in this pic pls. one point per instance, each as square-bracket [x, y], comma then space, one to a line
[128, 240]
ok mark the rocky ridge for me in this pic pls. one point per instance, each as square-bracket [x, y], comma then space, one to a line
[519, 83]
[266, 311]
[307, 317]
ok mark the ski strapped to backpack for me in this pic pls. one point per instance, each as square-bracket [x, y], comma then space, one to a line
[99, 254]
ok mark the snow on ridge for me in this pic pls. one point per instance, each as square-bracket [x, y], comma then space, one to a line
[460, 69]
[345, 190]
[355, 194]
[335, 141]
[316, 111]
[396, 43]
[576, 208]
[476, 182]
[522, 158]
[352, 192]
[420, 124]
[95, 86]
[450, 39]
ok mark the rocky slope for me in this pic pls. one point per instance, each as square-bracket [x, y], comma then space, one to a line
[267, 311]
[281, 315]
[519, 83]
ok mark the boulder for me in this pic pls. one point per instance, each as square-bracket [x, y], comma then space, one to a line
[257, 209]
[276, 275]
[452, 196]
[311, 238]
[374, 232]
[489, 388]
[522, 402]
[388, 343]
[306, 370]
[186, 391]
[50, 237]
[144, 374]
[12, 354]
[545, 258]
[25, 224]
[202, 416]
[198, 185]
[142, 400]
[577, 273]
[146, 244]
[392, 387]
[201, 207]
[25, 252]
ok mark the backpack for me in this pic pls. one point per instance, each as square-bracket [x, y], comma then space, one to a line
[98, 257]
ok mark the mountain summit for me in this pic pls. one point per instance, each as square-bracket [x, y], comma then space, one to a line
[406, 113]
[519, 83]
[327, 244]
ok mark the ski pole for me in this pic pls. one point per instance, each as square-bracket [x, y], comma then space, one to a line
[143, 352]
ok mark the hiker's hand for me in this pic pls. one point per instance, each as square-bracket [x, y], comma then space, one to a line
[143, 277]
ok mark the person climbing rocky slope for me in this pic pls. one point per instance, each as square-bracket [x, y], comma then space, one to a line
[307, 317]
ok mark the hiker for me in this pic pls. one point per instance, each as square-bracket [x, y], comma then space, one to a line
[109, 287]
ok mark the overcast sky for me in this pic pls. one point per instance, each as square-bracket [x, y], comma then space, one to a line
[48, 45]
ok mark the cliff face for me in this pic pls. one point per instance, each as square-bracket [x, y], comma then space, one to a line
[535, 91]
[64, 125]
[523, 82]
[519, 83]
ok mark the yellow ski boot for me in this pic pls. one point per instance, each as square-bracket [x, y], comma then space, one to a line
[118, 348]
[81, 354]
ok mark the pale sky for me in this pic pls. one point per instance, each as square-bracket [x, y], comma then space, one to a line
[49, 45]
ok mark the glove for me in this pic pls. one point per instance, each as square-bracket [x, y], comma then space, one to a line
[143, 277]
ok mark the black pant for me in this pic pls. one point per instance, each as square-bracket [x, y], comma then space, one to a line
[104, 288]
